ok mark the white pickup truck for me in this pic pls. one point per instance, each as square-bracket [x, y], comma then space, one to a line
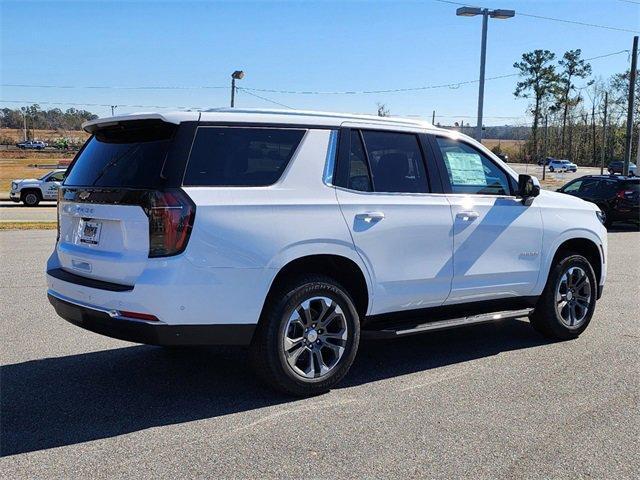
[32, 191]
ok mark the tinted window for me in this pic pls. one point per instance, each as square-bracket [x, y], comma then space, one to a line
[229, 156]
[131, 154]
[573, 186]
[631, 186]
[359, 178]
[470, 171]
[396, 162]
[590, 185]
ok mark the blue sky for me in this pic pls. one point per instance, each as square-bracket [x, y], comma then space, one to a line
[306, 46]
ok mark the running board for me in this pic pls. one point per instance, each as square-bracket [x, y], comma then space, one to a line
[445, 324]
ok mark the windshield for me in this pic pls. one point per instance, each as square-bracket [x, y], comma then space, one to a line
[127, 155]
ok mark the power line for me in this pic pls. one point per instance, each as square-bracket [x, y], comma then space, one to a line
[562, 20]
[75, 104]
[453, 85]
[108, 87]
[241, 89]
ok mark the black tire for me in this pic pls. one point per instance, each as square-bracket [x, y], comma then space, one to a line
[545, 318]
[551, 169]
[267, 352]
[31, 198]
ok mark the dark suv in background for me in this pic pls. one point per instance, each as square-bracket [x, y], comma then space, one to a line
[618, 197]
[617, 166]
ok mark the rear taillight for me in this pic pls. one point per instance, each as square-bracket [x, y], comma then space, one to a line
[623, 194]
[171, 214]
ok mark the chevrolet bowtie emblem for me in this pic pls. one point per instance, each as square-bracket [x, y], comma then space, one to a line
[84, 195]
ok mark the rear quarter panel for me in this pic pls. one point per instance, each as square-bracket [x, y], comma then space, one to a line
[264, 228]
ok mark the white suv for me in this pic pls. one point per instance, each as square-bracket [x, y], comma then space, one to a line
[299, 232]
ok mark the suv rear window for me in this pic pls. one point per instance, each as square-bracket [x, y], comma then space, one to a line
[239, 156]
[130, 154]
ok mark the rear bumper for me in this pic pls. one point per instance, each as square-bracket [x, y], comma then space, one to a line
[108, 323]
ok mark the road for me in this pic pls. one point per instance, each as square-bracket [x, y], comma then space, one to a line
[489, 401]
[17, 212]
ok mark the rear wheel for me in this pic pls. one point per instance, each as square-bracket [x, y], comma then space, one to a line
[568, 301]
[551, 169]
[31, 198]
[308, 336]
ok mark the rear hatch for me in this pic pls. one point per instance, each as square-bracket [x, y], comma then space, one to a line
[121, 203]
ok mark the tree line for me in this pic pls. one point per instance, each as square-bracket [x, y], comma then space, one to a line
[39, 119]
[568, 108]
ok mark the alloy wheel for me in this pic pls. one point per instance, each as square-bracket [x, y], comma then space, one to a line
[315, 337]
[573, 297]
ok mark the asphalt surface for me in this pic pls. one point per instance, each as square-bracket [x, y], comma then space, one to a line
[17, 212]
[490, 401]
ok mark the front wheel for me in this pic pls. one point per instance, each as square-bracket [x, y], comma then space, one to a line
[308, 336]
[568, 301]
[31, 199]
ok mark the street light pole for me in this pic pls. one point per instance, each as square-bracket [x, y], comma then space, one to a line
[483, 57]
[237, 75]
[486, 13]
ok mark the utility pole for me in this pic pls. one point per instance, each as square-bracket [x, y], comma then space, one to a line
[433, 118]
[113, 108]
[593, 131]
[632, 90]
[604, 133]
[546, 145]
[24, 124]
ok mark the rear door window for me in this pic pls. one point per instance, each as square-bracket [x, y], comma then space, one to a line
[396, 162]
[235, 156]
[129, 155]
[359, 177]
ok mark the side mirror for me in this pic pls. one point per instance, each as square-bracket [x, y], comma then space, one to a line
[528, 186]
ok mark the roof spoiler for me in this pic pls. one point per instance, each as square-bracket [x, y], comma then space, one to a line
[92, 125]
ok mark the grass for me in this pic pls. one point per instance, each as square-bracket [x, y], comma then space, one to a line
[28, 225]
[508, 147]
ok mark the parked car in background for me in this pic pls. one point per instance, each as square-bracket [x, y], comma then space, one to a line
[617, 167]
[545, 161]
[617, 197]
[562, 166]
[32, 191]
[297, 232]
[31, 145]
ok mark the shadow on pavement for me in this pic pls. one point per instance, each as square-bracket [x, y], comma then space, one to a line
[67, 400]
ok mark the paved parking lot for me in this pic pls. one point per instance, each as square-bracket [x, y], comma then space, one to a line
[490, 401]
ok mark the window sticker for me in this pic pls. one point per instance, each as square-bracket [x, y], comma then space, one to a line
[466, 169]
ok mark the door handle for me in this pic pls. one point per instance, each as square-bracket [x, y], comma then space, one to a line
[370, 217]
[467, 216]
